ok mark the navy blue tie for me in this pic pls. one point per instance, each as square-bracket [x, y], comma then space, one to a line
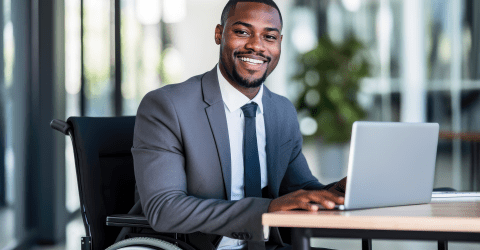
[251, 162]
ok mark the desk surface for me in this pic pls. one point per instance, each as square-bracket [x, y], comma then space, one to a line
[434, 217]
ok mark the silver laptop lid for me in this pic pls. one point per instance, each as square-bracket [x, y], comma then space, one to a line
[391, 164]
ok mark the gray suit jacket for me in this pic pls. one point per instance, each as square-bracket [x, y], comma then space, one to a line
[181, 156]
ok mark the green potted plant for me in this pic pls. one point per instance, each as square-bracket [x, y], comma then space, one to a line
[329, 76]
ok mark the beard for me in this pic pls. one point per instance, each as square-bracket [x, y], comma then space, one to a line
[244, 82]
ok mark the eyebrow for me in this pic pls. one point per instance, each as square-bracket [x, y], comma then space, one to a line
[250, 26]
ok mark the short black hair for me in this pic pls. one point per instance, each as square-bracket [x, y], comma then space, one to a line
[232, 3]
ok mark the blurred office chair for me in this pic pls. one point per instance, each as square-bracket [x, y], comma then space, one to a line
[106, 184]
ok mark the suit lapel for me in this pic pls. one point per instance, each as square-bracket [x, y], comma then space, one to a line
[272, 143]
[218, 123]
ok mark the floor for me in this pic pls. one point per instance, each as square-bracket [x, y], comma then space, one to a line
[6, 232]
[75, 231]
[346, 244]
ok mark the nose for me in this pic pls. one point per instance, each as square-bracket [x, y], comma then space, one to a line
[255, 43]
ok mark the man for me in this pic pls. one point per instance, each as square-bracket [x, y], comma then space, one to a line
[214, 153]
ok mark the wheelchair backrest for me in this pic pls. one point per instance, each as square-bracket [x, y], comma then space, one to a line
[104, 166]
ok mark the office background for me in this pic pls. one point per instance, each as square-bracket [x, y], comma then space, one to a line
[66, 58]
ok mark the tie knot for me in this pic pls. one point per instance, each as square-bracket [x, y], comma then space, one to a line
[250, 109]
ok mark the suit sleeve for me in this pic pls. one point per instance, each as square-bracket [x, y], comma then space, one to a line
[162, 184]
[298, 174]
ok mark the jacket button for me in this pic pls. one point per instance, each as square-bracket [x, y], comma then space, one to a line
[235, 235]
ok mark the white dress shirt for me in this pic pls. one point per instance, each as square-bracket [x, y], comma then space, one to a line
[233, 101]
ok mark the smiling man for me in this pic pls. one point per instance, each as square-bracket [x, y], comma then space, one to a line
[212, 154]
[250, 44]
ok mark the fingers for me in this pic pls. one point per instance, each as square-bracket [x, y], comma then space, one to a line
[328, 204]
[325, 198]
[308, 206]
[310, 200]
[307, 200]
[318, 196]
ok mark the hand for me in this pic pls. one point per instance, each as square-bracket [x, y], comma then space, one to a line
[303, 199]
[339, 188]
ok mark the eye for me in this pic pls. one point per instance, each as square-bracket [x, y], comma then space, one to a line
[271, 37]
[241, 32]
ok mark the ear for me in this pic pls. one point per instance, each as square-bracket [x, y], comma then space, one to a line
[218, 34]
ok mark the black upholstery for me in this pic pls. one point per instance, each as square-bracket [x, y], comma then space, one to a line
[104, 166]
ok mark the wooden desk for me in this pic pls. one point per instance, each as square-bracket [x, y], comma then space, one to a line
[457, 221]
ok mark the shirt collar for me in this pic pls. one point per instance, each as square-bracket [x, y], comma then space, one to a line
[233, 98]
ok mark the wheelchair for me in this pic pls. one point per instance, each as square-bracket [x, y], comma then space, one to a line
[106, 185]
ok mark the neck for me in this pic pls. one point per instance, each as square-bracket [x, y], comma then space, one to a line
[248, 92]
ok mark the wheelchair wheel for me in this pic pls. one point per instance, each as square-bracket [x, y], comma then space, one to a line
[143, 243]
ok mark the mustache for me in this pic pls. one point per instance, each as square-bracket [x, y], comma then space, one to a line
[252, 53]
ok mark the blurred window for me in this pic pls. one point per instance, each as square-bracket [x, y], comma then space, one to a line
[7, 102]
[141, 38]
[148, 60]
[2, 112]
[73, 81]
[149, 55]
[452, 54]
[98, 59]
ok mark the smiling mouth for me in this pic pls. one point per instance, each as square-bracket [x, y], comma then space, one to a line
[251, 61]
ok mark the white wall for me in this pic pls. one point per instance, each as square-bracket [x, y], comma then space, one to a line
[195, 36]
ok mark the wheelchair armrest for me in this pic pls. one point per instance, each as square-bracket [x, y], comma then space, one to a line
[127, 220]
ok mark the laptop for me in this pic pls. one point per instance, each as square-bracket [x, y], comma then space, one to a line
[390, 164]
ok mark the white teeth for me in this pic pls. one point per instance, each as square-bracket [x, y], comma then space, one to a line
[250, 60]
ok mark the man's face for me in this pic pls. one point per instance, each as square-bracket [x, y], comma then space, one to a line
[250, 43]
